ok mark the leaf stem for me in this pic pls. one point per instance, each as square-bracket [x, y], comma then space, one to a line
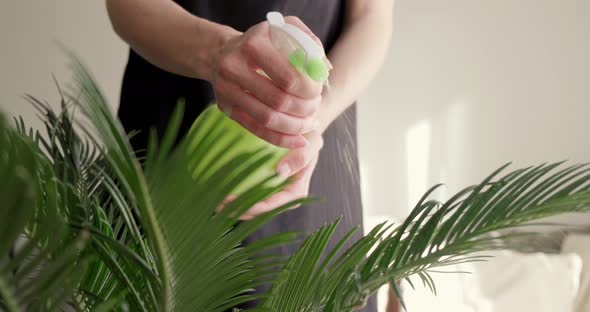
[9, 300]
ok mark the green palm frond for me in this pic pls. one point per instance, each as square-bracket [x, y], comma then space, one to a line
[201, 264]
[435, 234]
[40, 260]
[439, 234]
[207, 260]
[125, 169]
[103, 232]
[89, 199]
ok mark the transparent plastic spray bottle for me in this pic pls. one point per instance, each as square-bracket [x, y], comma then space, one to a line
[301, 50]
[308, 58]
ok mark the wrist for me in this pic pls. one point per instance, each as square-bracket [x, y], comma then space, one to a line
[325, 116]
[211, 39]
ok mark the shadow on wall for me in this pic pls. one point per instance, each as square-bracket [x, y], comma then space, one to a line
[469, 86]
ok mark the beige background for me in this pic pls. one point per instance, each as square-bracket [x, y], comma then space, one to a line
[30, 33]
[468, 86]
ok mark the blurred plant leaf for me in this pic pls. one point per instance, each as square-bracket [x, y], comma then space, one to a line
[201, 264]
[41, 265]
[83, 222]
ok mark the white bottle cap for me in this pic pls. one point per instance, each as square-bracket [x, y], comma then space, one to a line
[299, 37]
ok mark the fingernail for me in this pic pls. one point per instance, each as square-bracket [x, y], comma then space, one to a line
[246, 217]
[284, 171]
[329, 63]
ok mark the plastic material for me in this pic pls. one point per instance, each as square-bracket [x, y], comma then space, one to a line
[301, 50]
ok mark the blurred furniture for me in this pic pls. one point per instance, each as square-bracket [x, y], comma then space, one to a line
[514, 281]
[580, 245]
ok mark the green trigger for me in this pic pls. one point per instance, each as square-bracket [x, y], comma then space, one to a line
[317, 69]
[297, 59]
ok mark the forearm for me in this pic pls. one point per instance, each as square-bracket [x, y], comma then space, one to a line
[168, 36]
[356, 57]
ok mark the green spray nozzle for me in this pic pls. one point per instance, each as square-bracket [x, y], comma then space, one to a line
[301, 50]
[315, 68]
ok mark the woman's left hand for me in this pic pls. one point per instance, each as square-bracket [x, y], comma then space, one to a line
[298, 164]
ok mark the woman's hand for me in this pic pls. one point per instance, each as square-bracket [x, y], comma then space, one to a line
[298, 164]
[279, 110]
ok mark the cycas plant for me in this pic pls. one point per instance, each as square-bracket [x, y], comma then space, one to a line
[42, 259]
[85, 224]
[434, 235]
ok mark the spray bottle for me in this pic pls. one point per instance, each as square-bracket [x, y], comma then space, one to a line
[308, 58]
[301, 50]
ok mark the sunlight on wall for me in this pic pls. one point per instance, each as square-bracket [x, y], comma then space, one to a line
[365, 188]
[454, 139]
[418, 141]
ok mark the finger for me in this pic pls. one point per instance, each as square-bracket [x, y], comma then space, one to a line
[294, 161]
[298, 159]
[247, 77]
[263, 114]
[296, 21]
[296, 190]
[270, 204]
[259, 49]
[271, 136]
[278, 99]
[315, 139]
[225, 202]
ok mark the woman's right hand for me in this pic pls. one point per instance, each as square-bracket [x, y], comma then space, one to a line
[279, 110]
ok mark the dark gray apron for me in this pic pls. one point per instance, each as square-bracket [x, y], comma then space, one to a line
[149, 93]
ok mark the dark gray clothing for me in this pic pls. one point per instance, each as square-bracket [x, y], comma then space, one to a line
[149, 95]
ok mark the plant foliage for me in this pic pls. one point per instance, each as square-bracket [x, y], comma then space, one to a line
[85, 224]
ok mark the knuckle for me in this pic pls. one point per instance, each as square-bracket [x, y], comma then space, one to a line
[293, 19]
[309, 108]
[298, 160]
[280, 101]
[290, 82]
[273, 138]
[283, 141]
[259, 132]
[267, 118]
[308, 124]
[250, 46]
[226, 68]
[258, 28]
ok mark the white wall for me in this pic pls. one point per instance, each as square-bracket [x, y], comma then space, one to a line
[29, 53]
[468, 85]
[471, 85]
